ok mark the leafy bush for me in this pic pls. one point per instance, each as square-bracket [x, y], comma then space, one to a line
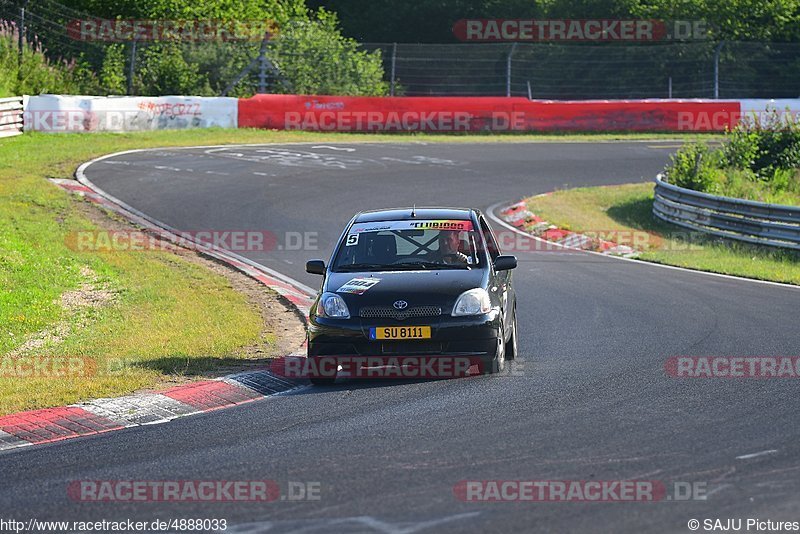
[162, 70]
[759, 160]
[221, 63]
[742, 148]
[695, 166]
[112, 73]
[764, 145]
[315, 58]
[37, 73]
[312, 55]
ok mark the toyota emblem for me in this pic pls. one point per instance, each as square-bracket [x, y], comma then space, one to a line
[401, 304]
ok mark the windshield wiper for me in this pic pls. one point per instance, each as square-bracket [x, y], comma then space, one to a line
[431, 265]
[361, 267]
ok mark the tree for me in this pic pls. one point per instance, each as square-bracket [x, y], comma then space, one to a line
[315, 58]
[112, 72]
[431, 21]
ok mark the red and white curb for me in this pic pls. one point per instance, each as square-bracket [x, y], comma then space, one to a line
[106, 415]
[518, 216]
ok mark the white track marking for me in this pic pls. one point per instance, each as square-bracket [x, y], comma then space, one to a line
[716, 490]
[756, 454]
[344, 149]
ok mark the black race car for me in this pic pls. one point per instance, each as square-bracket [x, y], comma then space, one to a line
[415, 282]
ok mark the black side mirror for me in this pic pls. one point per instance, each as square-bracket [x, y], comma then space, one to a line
[504, 263]
[318, 266]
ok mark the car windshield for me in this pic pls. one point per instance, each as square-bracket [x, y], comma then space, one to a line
[409, 245]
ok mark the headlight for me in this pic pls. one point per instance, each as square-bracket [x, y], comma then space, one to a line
[332, 305]
[473, 302]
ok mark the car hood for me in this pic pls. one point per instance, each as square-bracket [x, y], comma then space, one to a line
[417, 288]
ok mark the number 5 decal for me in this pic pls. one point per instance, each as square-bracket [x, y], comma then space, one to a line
[352, 239]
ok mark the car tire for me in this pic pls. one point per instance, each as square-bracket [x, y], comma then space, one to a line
[511, 346]
[498, 363]
[321, 380]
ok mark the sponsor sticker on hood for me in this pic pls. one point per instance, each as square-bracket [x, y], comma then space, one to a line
[358, 286]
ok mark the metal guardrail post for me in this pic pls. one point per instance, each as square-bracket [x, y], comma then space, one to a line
[394, 67]
[132, 68]
[717, 52]
[265, 64]
[262, 68]
[21, 37]
[508, 69]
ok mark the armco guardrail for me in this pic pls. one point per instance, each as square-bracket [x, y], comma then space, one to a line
[734, 218]
[11, 116]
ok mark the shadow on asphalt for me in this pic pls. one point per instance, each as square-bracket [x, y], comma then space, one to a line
[350, 384]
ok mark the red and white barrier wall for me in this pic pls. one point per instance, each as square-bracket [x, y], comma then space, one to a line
[58, 113]
[482, 113]
[55, 113]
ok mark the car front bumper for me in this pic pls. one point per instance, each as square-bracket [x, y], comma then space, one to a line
[474, 336]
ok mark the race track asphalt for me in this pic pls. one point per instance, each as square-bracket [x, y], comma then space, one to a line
[588, 398]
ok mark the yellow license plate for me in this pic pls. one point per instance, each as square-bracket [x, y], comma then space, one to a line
[400, 332]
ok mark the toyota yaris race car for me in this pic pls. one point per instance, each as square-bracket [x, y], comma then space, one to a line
[415, 283]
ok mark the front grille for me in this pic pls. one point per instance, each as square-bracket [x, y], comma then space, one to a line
[385, 312]
[411, 347]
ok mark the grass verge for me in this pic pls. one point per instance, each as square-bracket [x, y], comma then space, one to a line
[624, 214]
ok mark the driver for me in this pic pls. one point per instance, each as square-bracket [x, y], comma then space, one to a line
[448, 252]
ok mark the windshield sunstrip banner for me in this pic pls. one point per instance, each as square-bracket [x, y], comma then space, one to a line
[441, 224]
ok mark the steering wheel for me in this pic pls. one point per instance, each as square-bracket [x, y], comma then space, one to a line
[453, 259]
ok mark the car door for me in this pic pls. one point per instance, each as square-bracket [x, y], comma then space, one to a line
[501, 280]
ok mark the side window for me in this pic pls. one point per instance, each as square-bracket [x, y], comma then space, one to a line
[491, 244]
